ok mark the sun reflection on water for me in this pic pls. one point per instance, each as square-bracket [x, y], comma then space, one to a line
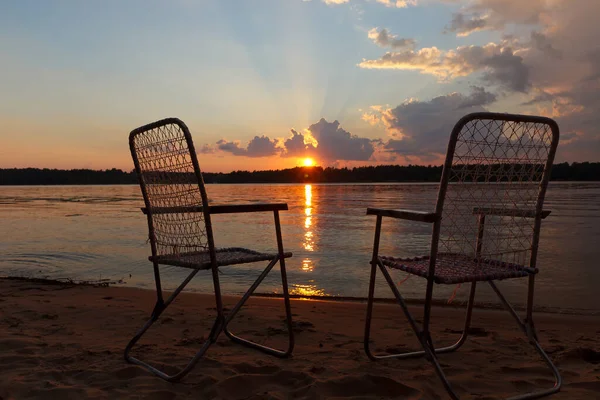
[306, 290]
[307, 265]
[308, 235]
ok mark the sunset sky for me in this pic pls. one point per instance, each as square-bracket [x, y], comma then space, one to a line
[264, 84]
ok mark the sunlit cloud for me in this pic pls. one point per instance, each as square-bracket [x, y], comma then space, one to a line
[335, 143]
[397, 3]
[499, 64]
[299, 145]
[387, 3]
[324, 141]
[329, 2]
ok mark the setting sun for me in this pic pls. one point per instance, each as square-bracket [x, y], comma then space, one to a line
[308, 162]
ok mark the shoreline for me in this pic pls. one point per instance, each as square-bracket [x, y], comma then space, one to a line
[456, 304]
[349, 183]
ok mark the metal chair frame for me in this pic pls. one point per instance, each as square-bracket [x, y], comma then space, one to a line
[422, 331]
[222, 320]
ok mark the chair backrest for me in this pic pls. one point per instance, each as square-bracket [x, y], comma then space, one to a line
[498, 162]
[169, 177]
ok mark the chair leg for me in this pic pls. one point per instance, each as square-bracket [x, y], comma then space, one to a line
[529, 330]
[427, 351]
[421, 353]
[160, 307]
[431, 354]
[246, 296]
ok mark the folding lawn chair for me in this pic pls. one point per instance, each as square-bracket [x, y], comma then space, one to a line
[181, 235]
[486, 224]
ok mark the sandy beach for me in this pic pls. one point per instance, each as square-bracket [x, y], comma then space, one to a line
[64, 341]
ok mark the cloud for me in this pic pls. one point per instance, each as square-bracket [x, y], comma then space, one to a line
[420, 130]
[384, 39]
[559, 66]
[335, 143]
[427, 60]
[231, 147]
[387, 3]
[295, 146]
[206, 149]
[259, 146]
[506, 69]
[480, 15]
[330, 2]
[497, 62]
[563, 57]
[397, 3]
[464, 26]
[262, 147]
[477, 97]
[371, 119]
[328, 142]
[544, 44]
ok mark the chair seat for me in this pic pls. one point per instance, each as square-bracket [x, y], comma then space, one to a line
[226, 256]
[451, 268]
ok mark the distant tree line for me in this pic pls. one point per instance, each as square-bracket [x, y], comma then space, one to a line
[585, 171]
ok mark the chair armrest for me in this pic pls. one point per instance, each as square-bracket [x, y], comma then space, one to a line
[410, 215]
[243, 208]
[219, 209]
[508, 212]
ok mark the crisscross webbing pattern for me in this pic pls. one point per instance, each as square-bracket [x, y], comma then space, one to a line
[499, 164]
[226, 256]
[458, 268]
[169, 180]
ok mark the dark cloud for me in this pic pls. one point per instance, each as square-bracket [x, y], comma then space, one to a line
[508, 70]
[420, 129]
[231, 147]
[496, 14]
[549, 51]
[544, 44]
[538, 98]
[478, 97]
[334, 143]
[574, 147]
[259, 146]
[464, 26]
[384, 39]
[295, 146]
[206, 149]
[559, 65]
[262, 147]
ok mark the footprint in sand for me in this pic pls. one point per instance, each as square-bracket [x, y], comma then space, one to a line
[365, 385]
[240, 386]
[581, 353]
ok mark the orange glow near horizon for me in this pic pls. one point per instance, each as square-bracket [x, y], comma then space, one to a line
[308, 162]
